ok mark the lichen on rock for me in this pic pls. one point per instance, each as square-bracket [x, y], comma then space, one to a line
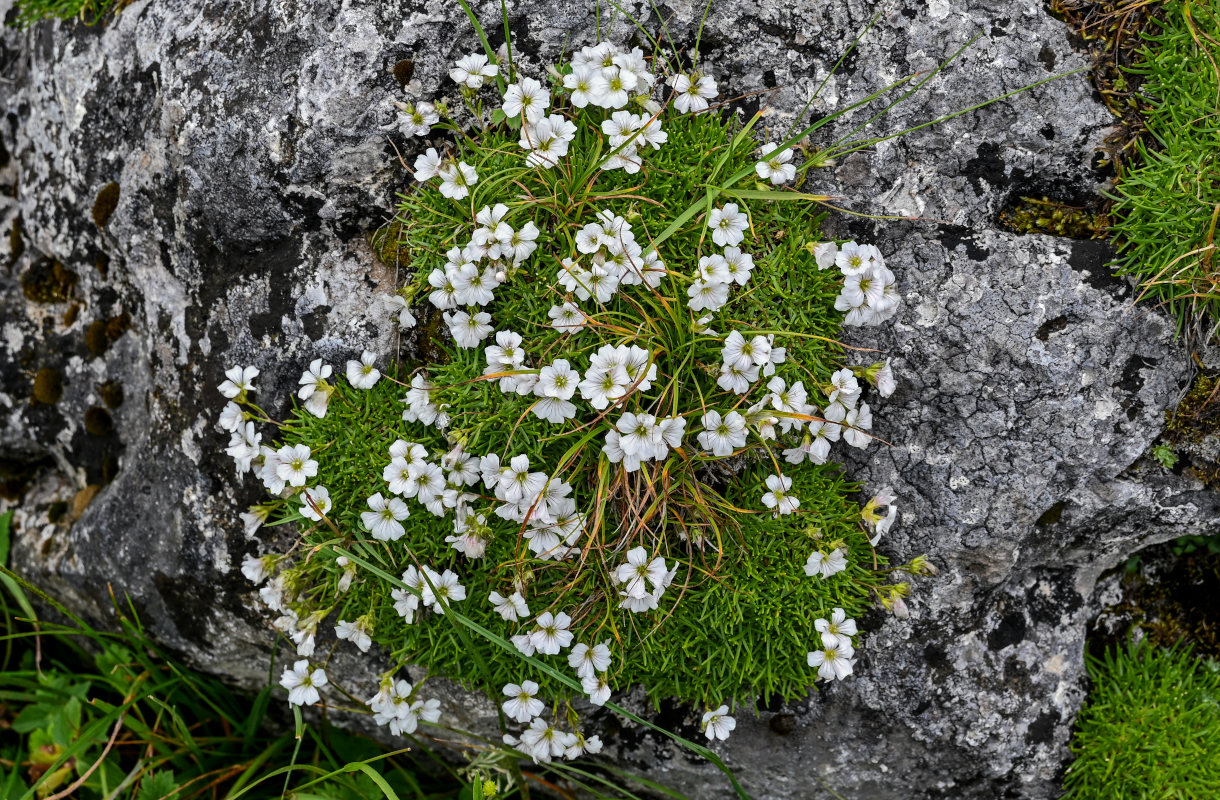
[247, 145]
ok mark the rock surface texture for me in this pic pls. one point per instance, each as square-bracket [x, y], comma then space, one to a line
[244, 146]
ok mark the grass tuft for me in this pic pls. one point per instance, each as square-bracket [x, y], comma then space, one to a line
[1167, 207]
[1151, 728]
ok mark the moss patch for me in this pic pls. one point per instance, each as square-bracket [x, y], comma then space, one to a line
[48, 281]
[1034, 215]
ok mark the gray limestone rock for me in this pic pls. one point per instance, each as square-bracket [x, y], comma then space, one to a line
[246, 143]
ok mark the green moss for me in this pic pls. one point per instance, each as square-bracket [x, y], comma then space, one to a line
[90, 12]
[48, 386]
[1033, 215]
[389, 245]
[48, 281]
[1150, 728]
[1198, 415]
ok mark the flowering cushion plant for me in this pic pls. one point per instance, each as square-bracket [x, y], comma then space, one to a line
[618, 454]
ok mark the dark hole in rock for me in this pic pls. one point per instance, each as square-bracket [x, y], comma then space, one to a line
[1168, 592]
[17, 472]
[404, 70]
[105, 203]
[1010, 631]
[98, 421]
[102, 333]
[1051, 326]
[1052, 514]
[111, 393]
[57, 510]
[16, 244]
[782, 724]
[48, 386]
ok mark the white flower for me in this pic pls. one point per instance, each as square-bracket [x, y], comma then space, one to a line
[597, 688]
[738, 265]
[418, 119]
[834, 661]
[396, 303]
[558, 380]
[427, 165]
[349, 574]
[474, 287]
[857, 421]
[722, 435]
[239, 381]
[579, 82]
[728, 225]
[836, 630]
[825, 254]
[826, 564]
[524, 642]
[566, 318]
[528, 99]
[588, 660]
[303, 684]
[441, 589]
[883, 379]
[231, 417]
[315, 497]
[714, 269]
[356, 632]
[778, 498]
[854, 259]
[778, 168]
[551, 633]
[384, 520]
[510, 608]
[591, 745]
[522, 704]
[315, 390]
[468, 329]
[362, 374]
[456, 180]
[708, 296]
[517, 243]
[844, 388]
[547, 141]
[255, 569]
[691, 92]
[640, 571]
[718, 724]
[295, 466]
[473, 70]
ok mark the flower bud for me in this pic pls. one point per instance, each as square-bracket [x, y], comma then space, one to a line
[900, 609]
